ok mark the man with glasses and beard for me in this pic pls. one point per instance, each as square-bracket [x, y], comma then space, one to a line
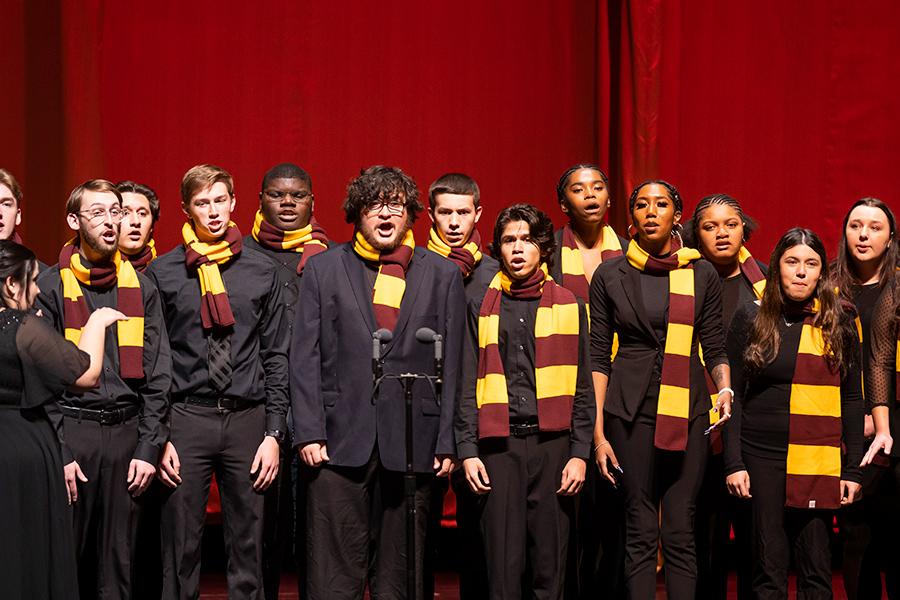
[351, 437]
[111, 436]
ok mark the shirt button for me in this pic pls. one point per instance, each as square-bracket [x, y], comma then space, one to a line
[521, 347]
[522, 398]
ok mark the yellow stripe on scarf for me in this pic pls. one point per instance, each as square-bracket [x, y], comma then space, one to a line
[437, 244]
[208, 273]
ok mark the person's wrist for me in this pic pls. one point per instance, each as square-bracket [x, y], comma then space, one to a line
[727, 389]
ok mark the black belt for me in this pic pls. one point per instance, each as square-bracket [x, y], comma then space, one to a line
[523, 429]
[221, 403]
[105, 416]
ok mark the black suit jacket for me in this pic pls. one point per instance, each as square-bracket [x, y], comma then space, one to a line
[331, 356]
[617, 306]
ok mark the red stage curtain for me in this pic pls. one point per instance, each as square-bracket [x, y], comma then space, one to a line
[790, 107]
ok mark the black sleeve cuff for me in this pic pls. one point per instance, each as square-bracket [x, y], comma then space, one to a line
[67, 455]
[466, 450]
[276, 422]
[147, 452]
[580, 450]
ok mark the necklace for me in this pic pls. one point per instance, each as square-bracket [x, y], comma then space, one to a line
[786, 322]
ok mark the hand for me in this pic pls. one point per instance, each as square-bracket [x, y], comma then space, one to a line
[850, 492]
[869, 427]
[476, 475]
[739, 484]
[170, 466]
[72, 473]
[140, 474]
[266, 463]
[314, 454]
[572, 477]
[882, 441]
[107, 316]
[723, 408]
[444, 465]
[604, 456]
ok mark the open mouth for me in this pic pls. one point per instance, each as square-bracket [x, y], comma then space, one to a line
[385, 230]
[288, 216]
[592, 207]
[109, 237]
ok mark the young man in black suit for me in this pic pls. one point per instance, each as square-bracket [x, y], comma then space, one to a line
[350, 434]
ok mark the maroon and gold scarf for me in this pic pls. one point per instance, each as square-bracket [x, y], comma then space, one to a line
[555, 348]
[215, 309]
[308, 241]
[674, 405]
[573, 275]
[465, 257]
[390, 284]
[142, 259]
[130, 333]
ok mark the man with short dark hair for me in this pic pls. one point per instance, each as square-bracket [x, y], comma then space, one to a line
[111, 436]
[352, 436]
[140, 212]
[525, 419]
[454, 205]
[224, 312]
[286, 231]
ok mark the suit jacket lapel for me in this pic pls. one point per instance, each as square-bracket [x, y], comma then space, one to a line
[631, 285]
[414, 276]
[359, 283]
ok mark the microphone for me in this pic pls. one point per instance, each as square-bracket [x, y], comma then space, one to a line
[382, 336]
[426, 335]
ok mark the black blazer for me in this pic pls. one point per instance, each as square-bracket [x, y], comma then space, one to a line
[555, 263]
[617, 306]
[331, 357]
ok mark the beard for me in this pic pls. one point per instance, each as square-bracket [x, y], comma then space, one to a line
[380, 243]
[99, 246]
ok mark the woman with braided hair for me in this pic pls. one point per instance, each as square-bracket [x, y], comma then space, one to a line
[662, 300]
[719, 229]
[798, 400]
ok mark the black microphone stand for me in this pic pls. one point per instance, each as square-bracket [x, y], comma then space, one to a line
[409, 476]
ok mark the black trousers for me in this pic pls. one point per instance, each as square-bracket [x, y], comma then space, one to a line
[869, 529]
[652, 481]
[525, 524]
[105, 515]
[777, 529]
[717, 513]
[209, 440]
[597, 565]
[278, 524]
[356, 531]
[473, 578]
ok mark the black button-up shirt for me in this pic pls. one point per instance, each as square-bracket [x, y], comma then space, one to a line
[259, 341]
[286, 262]
[517, 352]
[149, 393]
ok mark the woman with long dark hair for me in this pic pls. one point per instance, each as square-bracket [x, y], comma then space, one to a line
[796, 372]
[663, 301]
[37, 556]
[719, 229]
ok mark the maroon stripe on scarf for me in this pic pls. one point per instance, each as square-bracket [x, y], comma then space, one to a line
[555, 350]
[464, 259]
[493, 420]
[824, 490]
[141, 260]
[669, 433]
[578, 285]
[812, 370]
[75, 313]
[310, 250]
[131, 360]
[393, 263]
[679, 372]
[814, 430]
[215, 309]
[555, 414]
[751, 271]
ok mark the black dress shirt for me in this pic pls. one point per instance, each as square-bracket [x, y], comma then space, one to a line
[259, 341]
[149, 393]
[517, 351]
[286, 262]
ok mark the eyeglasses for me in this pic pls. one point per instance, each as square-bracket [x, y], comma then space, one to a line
[296, 197]
[395, 207]
[96, 215]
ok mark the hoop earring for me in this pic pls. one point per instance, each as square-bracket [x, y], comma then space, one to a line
[630, 231]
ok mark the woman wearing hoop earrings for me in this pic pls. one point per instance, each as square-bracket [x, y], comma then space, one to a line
[719, 229]
[663, 301]
[797, 402]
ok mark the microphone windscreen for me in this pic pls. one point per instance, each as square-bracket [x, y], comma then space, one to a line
[425, 335]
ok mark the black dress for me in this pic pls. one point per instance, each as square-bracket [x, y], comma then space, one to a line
[37, 552]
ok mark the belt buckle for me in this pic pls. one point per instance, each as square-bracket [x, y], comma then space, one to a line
[106, 417]
[219, 406]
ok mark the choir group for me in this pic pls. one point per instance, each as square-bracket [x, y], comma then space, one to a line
[607, 406]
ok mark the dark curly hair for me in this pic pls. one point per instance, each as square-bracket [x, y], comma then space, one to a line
[674, 196]
[540, 228]
[383, 183]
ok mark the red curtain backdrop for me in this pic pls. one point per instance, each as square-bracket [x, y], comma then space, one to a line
[789, 106]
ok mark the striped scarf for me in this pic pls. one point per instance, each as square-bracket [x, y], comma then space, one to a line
[309, 240]
[142, 259]
[390, 284]
[556, 354]
[754, 276]
[215, 309]
[815, 431]
[130, 333]
[466, 257]
[673, 408]
[573, 275]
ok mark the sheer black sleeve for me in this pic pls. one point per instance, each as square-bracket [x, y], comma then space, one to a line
[50, 362]
[882, 351]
